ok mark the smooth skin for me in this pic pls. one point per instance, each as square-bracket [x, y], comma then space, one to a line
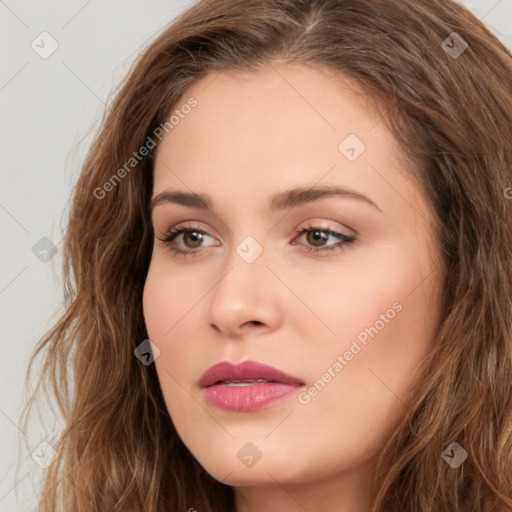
[250, 137]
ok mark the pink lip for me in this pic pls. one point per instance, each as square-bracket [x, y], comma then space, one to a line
[248, 396]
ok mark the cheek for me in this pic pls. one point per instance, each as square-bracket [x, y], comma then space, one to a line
[383, 293]
[162, 309]
[165, 301]
[171, 308]
[369, 393]
[399, 337]
[384, 318]
[155, 299]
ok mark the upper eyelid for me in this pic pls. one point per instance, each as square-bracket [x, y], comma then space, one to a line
[189, 225]
[333, 231]
[308, 206]
[195, 224]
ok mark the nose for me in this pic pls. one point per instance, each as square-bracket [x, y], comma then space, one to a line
[246, 298]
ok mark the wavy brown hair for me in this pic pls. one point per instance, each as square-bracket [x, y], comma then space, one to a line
[452, 116]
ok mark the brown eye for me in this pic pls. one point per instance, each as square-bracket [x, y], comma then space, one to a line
[194, 239]
[185, 241]
[317, 237]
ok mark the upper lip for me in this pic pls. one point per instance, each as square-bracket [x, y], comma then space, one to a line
[246, 370]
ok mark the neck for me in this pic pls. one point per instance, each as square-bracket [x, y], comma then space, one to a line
[343, 492]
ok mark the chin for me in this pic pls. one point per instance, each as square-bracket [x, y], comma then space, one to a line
[266, 471]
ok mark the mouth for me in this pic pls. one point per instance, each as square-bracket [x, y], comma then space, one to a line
[246, 386]
[242, 382]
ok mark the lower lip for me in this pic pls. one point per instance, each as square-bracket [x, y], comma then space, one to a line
[249, 397]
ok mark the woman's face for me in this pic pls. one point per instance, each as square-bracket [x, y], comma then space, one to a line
[350, 323]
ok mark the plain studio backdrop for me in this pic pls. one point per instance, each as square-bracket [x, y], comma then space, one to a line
[59, 63]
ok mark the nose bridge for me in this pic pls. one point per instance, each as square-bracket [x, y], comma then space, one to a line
[249, 241]
[243, 293]
[246, 263]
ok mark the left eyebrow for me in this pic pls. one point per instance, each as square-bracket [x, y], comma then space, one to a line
[281, 201]
[299, 196]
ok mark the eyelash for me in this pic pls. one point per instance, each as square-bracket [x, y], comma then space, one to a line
[346, 241]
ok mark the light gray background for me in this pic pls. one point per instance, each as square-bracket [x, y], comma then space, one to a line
[49, 111]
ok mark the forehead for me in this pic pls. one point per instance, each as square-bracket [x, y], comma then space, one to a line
[277, 128]
[278, 107]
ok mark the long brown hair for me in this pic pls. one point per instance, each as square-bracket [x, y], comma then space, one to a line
[449, 107]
